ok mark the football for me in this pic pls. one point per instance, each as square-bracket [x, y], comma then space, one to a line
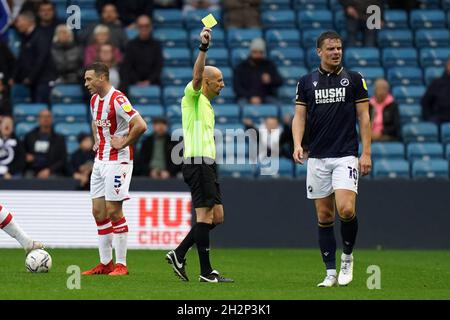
[38, 261]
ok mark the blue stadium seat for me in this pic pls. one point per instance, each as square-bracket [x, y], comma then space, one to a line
[292, 74]
[287, 110]
[399, 57]
[20, 94]
[390, 169]
[310, 36]
[446, 5]
[431, 169]
[176, 75]
[237, 170]
[176, 126]
[432, 73]
[66, 93]
[312, 59]
[168, 18]
[364, 57]
[227, 74]
[71, 146]
[231, 150]
[237, 55]
[287, 56]
[226, 96]
[370, 74]
[408, 94]
[28, 112]
[276, 38]
[226, 113]
[88, 16]
[238, 37]
[278, 19]
[177, 57]
[285, 169]
[424, 151]
[217, 41]
[173, 113]
[72, 130]
[429, 4]
[144, 95]
[148, 111]
[22, 128]
[445, 132]
[258, 112]
[397, 76]
[388, 150]
[432, 38]
[310, 4]
[275, 5]
[420, 132]
[427, 19]
[447, 151]
[395, 38]
[335, 5]
[132, 33]
[300, 170]
[396, 19]
[434, 57]
[410, 113]
[193, 17]
[70, 112]
[173, 94]
[339, 20]
[286, 94]
[216, 57]
[171, 37]
[315, 19]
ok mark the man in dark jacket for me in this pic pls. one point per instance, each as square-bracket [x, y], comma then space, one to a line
[256, 79]
[12, 153]
[7, 62]
[155, 156]
[34, 66]
[143, 59]
[436, 102]
[46, 152]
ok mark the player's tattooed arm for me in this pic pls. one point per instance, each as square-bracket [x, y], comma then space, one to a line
[199, 66]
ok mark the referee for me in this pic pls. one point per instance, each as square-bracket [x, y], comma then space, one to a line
[199, 168]
[330, 100]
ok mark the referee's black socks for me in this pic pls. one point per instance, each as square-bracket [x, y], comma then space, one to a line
[327, 243]
[201, 236]
[349, 229]
[187, 242]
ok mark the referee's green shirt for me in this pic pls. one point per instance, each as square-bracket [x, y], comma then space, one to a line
[198, 124]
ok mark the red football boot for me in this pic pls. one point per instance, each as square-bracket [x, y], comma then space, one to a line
[119, 270]
[100, 269]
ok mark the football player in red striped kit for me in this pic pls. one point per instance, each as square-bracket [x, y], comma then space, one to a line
[116, 125]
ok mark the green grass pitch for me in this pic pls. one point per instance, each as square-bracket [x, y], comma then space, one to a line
[259, 274]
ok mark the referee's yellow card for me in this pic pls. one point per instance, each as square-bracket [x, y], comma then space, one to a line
[209, 21]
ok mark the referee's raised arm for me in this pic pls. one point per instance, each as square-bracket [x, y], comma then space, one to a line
[199, 66]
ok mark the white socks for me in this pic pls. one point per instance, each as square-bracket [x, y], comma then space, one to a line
[105, 237]
[120, 228]
[8, 225]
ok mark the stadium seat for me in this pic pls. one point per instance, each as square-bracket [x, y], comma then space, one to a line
[176, 126]
[173, 94]
[172, 37]
[258, 112]
[364, 57]
[334, 5]
[193, 17]
[148, 111]
[292, 74]
[278, 19]
[216, 57]
[275, 5]
[390, 169]
[434, 57]
[173, 113]
[238, 37]
[144, 94]
[70, 112]
[226, 96]
[287, 110]
[395, 38]
[176, 75]
[446, 5]
[71, 146]
[72, 130]
[66, 93]
[237, 170]
[167, 18]
[431, 169]
[447, 151]
[300, 170]
[285, 169]
[339, 19]
[310, 36]
[312, 59]
[281, 38]
[177, 57]
[370, 74]
[397, 76]
[432, 38]
[287, 56]
[420, 132]
[217, 41]
[445, 132]
[429, 4]
[427, 19]
[396, 19]
[424, 151]
[410, 113]
[20, 94]
[237, 55]
[89, 16]
[22, 128]
[227, 74]
[399, 57]
[432, 73]
[286, 94]
[310, 4]
[231, 152]
[132, 33]
[315, 19]
[408, 94]
[226, 113]
[388, 150]
[28, 112]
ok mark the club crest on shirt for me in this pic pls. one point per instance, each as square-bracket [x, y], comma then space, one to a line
[127, 107]
[344, 82]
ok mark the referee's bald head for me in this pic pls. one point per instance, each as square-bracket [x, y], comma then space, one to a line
[213, 80]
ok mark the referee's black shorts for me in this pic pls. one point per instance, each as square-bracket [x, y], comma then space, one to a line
[200, 174]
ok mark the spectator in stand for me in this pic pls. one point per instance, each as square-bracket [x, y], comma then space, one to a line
[155, 156]
[110, 18]
[12, 153]
[106, 55]
[45, 150]
[242, 13]
[436, 101]
[167, 4]
[256, 79]
[129, 10]
[82, 161]
[356, 20]
[101, 36]
[7, 62]
[190, 5]
[67, 56]
[47, 20]
[384, 113]
[34, 66]
[143, 59]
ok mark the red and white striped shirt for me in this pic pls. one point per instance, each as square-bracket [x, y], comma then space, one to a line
[112, 114]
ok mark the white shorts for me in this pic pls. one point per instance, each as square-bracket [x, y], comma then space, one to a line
[324, 176]
[111, 180]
